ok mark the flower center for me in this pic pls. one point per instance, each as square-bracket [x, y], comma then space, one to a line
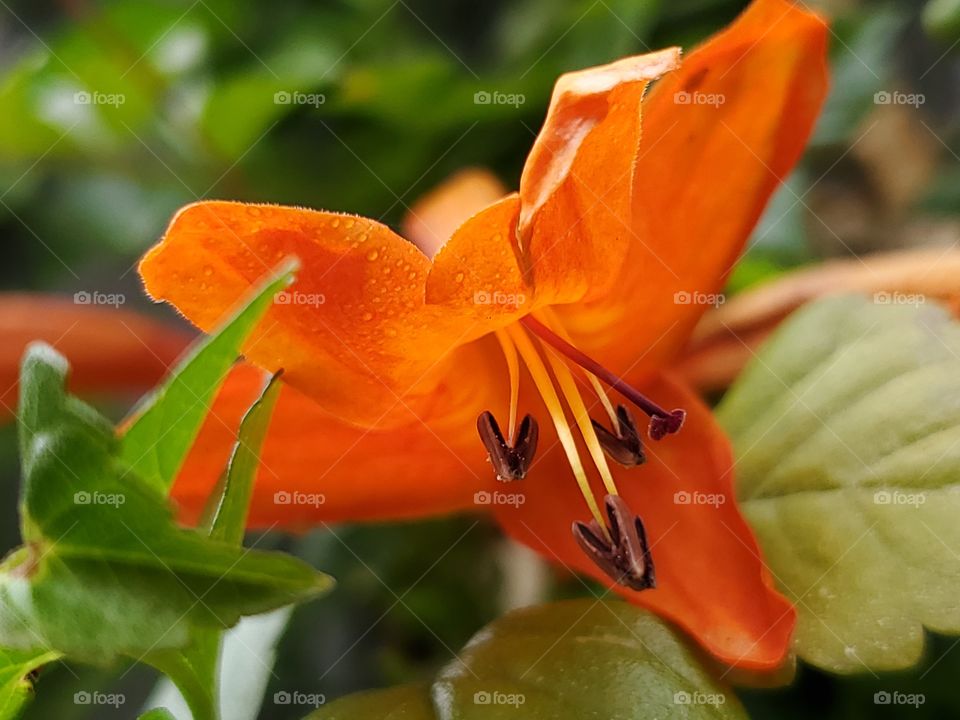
[618, 543]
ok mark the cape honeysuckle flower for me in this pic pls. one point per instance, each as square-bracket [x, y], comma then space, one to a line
[395, 355]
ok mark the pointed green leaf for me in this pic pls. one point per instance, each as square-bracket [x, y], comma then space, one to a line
[194, 668]
[846, 430]
[168, 421]
[577, 659]
[105, 569]
[230, 519]
[16, 688]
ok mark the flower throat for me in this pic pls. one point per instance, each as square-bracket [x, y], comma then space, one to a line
[617, 543]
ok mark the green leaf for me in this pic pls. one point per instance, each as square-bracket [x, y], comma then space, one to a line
[158, 714]
[941, 18]
[230, 518]
[583, 658]
[194, 668]
[406, 702]
[167, 423]
[846, 429]
[105, 570]
[16, 688]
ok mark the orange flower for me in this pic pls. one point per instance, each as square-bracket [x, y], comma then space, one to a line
[110, 350]
[548, 296]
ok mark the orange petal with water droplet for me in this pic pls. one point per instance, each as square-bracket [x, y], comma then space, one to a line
[353, 331]
[434, 217]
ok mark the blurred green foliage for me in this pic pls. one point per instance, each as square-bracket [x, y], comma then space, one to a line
[386, 110]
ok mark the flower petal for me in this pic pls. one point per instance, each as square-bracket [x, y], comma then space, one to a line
[575, 188]
[110, 350]
[353, 332]
[432, 464]
[435, 216]
[710, 576]
[719, 135]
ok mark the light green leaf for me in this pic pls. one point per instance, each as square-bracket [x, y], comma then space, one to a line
[157, 714]
[846, 430]
[105, 570]
[16, 689]
[582, 659]
[168, 421]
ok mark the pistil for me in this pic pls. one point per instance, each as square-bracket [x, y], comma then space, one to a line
[662, 422]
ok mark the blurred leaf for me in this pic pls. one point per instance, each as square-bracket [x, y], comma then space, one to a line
[157, 714]
[94, 531]
[846, 430]
[861, 64]
[573, 659]
[941, 18]
[16, 688]
[166, 423]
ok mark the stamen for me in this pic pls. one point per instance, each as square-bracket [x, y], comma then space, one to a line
[511, 460]
[513, 368]
[623, 445]
[569, 388]
[662, 422]
[625, 557]
[555, 323]
[541, 378]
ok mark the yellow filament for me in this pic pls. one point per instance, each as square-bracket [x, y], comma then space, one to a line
[513, 367]
[569, 388]
[552, 321]
[538, 371]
